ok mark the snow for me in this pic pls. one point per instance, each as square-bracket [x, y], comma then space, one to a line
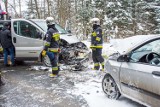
[87, 84]
[95, 97]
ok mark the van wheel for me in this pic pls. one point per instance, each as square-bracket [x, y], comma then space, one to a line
[46, 61]
[110, 87]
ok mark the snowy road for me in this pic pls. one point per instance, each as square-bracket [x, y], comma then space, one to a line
[30, 86]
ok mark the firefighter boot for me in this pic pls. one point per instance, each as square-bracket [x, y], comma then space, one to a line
[96, 66]
[55, 71]
[102, 64]
[53, 75]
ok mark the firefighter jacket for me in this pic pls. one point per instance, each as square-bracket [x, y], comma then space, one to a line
[52, 40]
[97, 38]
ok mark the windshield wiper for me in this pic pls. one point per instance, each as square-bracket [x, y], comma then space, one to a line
[63, 33]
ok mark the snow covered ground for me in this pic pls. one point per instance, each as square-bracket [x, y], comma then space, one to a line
[33, 87]
[92, 91]
[88, 85]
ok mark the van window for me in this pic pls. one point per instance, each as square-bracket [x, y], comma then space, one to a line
[43, 25]
[23, 28]
[1, 26]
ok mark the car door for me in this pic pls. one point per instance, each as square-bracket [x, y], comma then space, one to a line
[141, 79]
[27, 39]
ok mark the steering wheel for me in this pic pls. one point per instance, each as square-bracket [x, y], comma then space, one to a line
[150, 56]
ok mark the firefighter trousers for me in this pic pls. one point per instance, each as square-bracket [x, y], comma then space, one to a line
[97, 58]
[54, 62]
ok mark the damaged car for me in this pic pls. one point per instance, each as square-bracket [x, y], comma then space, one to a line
[28, 40]
[135, 73]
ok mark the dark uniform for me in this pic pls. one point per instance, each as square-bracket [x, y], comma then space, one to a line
[52, 48]
[96, 46]
[6, 42]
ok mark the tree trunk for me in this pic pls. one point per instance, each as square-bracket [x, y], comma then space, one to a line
[31, 6]
[134, 17]
[14, 10]
[20, 13]
[48, 7]
[36, 3]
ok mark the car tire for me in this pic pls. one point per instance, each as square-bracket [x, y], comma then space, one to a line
[110, 87]
[46, 61]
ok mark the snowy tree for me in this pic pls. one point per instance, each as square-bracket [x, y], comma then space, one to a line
[143, 17]
[155, 4]
[117, 17]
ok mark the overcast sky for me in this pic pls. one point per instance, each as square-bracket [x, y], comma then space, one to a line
[23, 3]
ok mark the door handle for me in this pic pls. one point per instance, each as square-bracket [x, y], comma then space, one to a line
[156, 73]
[14, 39]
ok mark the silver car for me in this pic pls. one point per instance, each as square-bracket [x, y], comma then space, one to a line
[135, 73]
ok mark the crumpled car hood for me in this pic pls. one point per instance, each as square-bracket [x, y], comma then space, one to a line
[69, 38]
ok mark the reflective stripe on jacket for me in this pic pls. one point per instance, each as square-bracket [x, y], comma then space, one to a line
[53, 49]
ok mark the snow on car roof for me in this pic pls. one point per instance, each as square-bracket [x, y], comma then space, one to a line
[122, 45]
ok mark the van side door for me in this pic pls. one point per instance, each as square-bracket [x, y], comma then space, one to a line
[27, 39]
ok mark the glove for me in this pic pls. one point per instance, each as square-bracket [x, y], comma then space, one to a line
[59, 50]
[43, 53]
[1, 49]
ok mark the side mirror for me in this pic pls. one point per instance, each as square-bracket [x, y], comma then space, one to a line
[123, 58]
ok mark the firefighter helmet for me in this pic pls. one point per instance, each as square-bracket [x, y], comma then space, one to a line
[95, 21]
[50, 21]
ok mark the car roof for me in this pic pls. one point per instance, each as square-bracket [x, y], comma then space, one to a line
[37, 19]
[124, 45]
[143, 40]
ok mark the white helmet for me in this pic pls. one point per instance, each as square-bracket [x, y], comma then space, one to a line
[95, 21]
[50, 21]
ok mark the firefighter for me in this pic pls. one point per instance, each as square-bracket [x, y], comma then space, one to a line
[51, 47]
[97, 44]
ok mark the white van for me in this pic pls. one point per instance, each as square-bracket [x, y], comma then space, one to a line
[28, 39]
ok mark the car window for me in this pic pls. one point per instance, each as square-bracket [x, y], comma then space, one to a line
[60, 29]
[26, 29]
[139, 55]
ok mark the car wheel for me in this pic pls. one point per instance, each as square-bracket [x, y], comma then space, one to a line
[110, 87]
[46, 61]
